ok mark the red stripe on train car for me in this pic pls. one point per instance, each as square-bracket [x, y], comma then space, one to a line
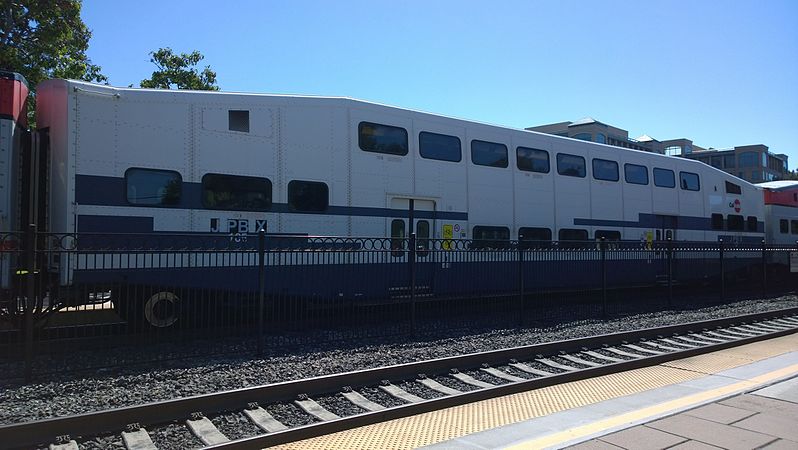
[13, 98]
[785, 197]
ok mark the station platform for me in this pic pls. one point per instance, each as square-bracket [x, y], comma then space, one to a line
[743, 397]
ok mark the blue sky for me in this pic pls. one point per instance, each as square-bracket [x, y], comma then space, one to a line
[719, 73]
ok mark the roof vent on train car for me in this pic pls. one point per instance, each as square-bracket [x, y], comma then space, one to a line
[238, 120]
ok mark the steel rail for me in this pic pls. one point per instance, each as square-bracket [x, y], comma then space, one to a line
[48, 430]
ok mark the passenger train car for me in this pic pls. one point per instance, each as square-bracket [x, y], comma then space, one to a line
[124, 160]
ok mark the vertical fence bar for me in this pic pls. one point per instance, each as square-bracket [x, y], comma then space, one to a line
[261, 285]
[670, 271]
[722, 272]
[521, 287]
[603, 248]
[412, 262]
[764, 269]
[30, 300]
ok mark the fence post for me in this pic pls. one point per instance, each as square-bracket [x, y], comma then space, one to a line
[412, 262]
[261, 285]
[30, 298]
[764, 269]
[722, 273]
[670, 271]
[603, 248]
[521, 287]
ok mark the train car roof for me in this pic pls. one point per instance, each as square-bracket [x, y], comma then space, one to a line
[781, 185]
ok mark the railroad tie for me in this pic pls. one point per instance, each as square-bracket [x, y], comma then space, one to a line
[206, 431]
[723, 337]
[680, 343]
[358, 399]
[138, 439]
[264, 420]
[314, 409]
[598, 355]
[556, 365]
[663, 347]
[578, 360]
[640, 349]
[400, 393]
[69, 445]
[502, 374]
[435, 386]
[468, 379]
[618, 351]
[529, 369]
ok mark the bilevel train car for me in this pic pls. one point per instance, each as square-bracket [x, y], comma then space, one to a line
[123, 160]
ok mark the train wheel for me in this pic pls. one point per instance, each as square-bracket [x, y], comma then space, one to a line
[162, 309]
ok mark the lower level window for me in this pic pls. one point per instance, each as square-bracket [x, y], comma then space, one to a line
[784, 226]
[567, 234]
[734, 222]
[491, 237]
[397, 237]
[608, 235]
[308, 196]
[236, 192]
[150, 187]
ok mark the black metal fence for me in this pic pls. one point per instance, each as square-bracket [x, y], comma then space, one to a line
[139, 298]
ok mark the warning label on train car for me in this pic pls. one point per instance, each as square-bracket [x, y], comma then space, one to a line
[793, 261]
[448, 233]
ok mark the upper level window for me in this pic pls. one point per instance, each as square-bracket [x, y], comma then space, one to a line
[489, 154]
[601, 139]
[439, 146]
[532, 160]
[635, 174]
[673, 150]
[150, 187]
[374, 137]
[308, 196]
[747, 159]
[238, 121]
[664, 178]
[732, 188]
[689, 181]
[570, 165]
[604, 169]
[236, 193]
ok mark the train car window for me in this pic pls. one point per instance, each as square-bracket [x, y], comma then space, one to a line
[308, 196]
[489, 154]
[751, 223]
[689, 181]
[566, 234]
[732, 188]
[609, 235]
[490, 237]
[397, 237]
[571, 165]
[664, 178]
[238, 121]
[439, 146]
[794, 226]
[150, 187]
[604, 169]
[422, 237]
[784, 226]
[532, 160]
[735, 222]
[717, 221]
[635, 174]
[374, 137]
[236, 193]
[534, 234]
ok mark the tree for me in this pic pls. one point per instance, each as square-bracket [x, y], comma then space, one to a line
[44, 39]
[179, 71]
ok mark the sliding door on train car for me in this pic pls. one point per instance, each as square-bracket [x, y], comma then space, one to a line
[400, 229]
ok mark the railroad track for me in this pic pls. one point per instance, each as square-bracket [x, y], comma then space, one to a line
[514, 370]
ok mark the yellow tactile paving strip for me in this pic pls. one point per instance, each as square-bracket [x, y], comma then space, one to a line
[451, 423]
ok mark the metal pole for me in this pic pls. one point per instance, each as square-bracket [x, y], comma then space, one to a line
[521, 288]
[603, 248]
[412, 262]
[764, 269]
[670, 271]
[722, 273]
[261, 285]
[30, 298]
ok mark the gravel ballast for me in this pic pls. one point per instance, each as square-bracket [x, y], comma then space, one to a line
[141, 384]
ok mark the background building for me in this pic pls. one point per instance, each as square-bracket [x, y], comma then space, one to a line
[754, 163]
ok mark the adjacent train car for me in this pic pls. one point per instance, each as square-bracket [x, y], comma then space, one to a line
[781, 210]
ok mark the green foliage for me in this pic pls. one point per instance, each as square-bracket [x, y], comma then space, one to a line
[43, 39]
[179, 71]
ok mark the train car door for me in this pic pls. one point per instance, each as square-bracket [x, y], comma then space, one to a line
[399, 230]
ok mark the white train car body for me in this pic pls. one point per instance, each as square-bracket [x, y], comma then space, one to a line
[108, 145]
